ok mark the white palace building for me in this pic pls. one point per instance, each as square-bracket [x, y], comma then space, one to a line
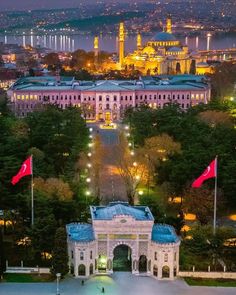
[107, 99]
[152, 249]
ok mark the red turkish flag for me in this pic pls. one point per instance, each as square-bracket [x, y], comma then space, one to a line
[210, 172]
[26, 169]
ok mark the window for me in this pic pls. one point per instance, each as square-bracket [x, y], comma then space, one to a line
[121, 98]
[178, 96]
[141, 97]
[159, 96]
[79, 97]
[115, 98]
[107, 106]
[155, 255]
[107, 98]
[175, 256]
[164, 96]
[182, 96]
[72, 255]
[81, 255]
[100, 98]
[187, 96]
[173, 96]
[91, 254]
[126, 97]
[145, 96]
[166, 257]
[65, 97]
[136, 96]
[155, 97]
[74, 97]
[130, 98]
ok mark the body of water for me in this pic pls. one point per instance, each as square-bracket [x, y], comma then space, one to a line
[110, 43]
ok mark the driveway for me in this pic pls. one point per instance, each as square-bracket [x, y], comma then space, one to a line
[120, 283]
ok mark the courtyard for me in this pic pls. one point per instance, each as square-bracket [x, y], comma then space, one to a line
[120, 283]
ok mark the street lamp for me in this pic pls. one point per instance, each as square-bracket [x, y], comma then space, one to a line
[89, 154]
[88, 180]
[58, 275]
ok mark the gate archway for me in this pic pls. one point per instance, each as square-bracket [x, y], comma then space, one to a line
[122, 260]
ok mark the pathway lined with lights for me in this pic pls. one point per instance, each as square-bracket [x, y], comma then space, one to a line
[112, 187]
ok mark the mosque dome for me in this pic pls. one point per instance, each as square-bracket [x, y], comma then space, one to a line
[164, 36]
[149, 50]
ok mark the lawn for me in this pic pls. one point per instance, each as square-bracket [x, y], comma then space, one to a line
[210, 282]
[27, 278]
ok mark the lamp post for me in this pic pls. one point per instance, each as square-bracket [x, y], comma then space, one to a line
[58, 280]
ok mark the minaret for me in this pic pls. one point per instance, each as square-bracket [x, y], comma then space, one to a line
[96, 49]
[169, 25]
[121, 44]
[139, 41]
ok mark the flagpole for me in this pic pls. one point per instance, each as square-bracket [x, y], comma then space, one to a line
[32, 193]
[215, 196]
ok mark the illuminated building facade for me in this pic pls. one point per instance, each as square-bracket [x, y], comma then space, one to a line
[107, 99]
[163, 54]
[153, 249]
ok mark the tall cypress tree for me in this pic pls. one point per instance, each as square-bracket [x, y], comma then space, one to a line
[60, 254]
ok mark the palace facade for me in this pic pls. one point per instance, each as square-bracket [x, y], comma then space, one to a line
[107, 99]
[152, 249]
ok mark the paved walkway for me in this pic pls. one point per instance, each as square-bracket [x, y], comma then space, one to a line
[112, 186]
[120, 283]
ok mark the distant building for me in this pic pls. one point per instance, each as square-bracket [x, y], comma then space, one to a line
[107, 99]
[163, 54]
[152, 249]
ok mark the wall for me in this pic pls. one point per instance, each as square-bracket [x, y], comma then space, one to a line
[211, 275]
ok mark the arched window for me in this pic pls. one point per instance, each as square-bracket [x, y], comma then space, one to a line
[155, 270]
[72, 269]
[165, 271]
[175, 271]
[155, 255]
[81, 270]
[91, 269]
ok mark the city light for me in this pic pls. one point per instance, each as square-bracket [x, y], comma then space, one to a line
[137, 177]
[90, 129]
[126, 127]
[90, 144]
[88, 180]
[132, 153]
[130, 144]
[88, 193]
[140, 193]
[89, 165]
[135, 164]
[89, 154]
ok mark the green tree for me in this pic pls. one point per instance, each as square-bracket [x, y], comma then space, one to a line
[52, 61]
[60, 254]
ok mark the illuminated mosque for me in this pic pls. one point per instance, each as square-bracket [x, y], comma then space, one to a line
[163, 54]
